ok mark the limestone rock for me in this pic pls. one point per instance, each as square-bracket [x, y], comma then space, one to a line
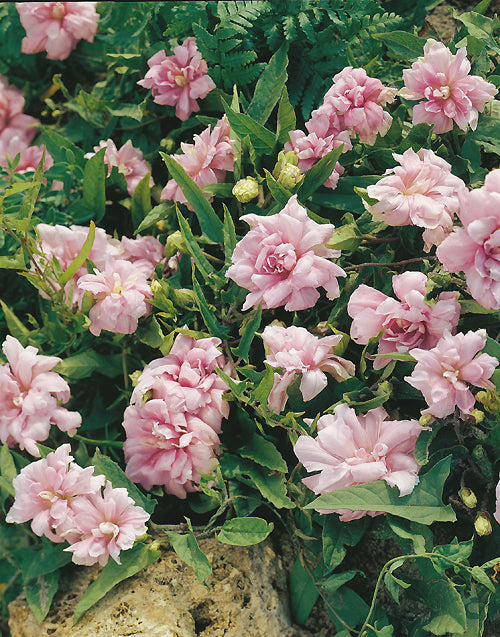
[247, 597]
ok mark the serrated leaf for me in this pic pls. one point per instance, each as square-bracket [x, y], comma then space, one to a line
[108, 468]
[244, 531]
[132, 561]
[269, 86]
[303, 592]
[87, 363]
[94, 184]
[188, 550]
[423, 505]
[264, 453]
[210, 223]
[80, 258]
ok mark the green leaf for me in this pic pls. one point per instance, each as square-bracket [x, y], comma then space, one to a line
[201, 261]
[337, 535]
[188, 550]
[132, 561]
[346, 237]
[141, 201]
[244, 531]
[448, 610]
[158, 213]
[108, 468]
[213, 325]
[423, 505]
[262, 139]
[269, 86]
[263, 389]
[286, 118]
[16, 328]
[280, 194]
[335, 581]
[303, 592]
[264, 453]
[210, 223]
[52, 557]
[229, 233]
[247, 332]
[80, 258]
[402, 44]
[87, 363]
[422, 445]
[94, 184]
[7, 466]
[480, 576]
[40, 593]
[476, 600]
[318, 174]
[418, 534]
[15, 262]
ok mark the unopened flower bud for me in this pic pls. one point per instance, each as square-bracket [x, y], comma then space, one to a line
[489, 399]
[468, 497]
[155, 545]
[482, 524]
[155, 286]
[134, 377]
[478, 416]
[167, 144]
[290, 176]
[175, 243]
[246, 189]
[426, 420]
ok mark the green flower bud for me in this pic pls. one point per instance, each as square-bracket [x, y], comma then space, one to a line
[489, 399]
[478, 416]
[175, 243]
[246, 189]
[155, 286]
[168, 144]
[426, 420]
[482, 524]
[468, 497]
[290, 176]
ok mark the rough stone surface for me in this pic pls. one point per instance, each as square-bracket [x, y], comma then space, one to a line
[247, 597]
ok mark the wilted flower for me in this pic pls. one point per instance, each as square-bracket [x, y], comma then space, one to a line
[206, 161]
[474, 249]
[283, 260]
[120, 291]
[447, 92]
[57, 27]
[13, 122]
[106, 524]
[444, 373]
[44, 492]
[421, 191]
[180, 79]
[354, 103]
[30, 394]
[297, 351]
[407, 323]
[128, 160]
[351, 449]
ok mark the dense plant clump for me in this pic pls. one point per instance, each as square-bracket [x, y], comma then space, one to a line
[251, 281]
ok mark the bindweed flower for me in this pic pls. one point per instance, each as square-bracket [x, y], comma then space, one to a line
[11, 143]
[106, 524]
[474, 249]
[120, 292]
[246, 189]
[57, 27]
[179, 79]
[422, 191]
[128, 160]
[13, 122]
[297, 351]
[30, 394]
[144, 252]
[355, 104]
[206, 161]
[45, 490]
[351, 449]
[283, 260]
[167, 445]
[447, 92]
[407, 323]
[443, 374]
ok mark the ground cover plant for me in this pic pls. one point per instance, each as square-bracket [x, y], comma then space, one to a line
[251, 286]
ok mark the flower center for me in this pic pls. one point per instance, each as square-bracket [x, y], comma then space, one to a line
[58, 11]
[283, 259]
[181, 81]
[117, 287]
[18, 400]
[106, 529]
[356, 96]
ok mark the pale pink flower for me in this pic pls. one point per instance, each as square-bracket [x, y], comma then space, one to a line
[351, 449]
[45, 490]
[128, 160]
[30, 394]
[444, 373]
[355, 103]
[144, 252]
[407, 323]
[120, 292]
[206, 161]
[107, 524]
[447, 92]
[311, 148]
[179, 79]
[474, 249]
[12, 119]
[187, 375]
[167, 445]
[496, 515]
[422, 191]
[297, 351]
[12, 144]
[283, 260]
[57, 27]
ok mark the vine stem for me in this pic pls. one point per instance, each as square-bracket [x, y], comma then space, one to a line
[108, 443]
[393, 263]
